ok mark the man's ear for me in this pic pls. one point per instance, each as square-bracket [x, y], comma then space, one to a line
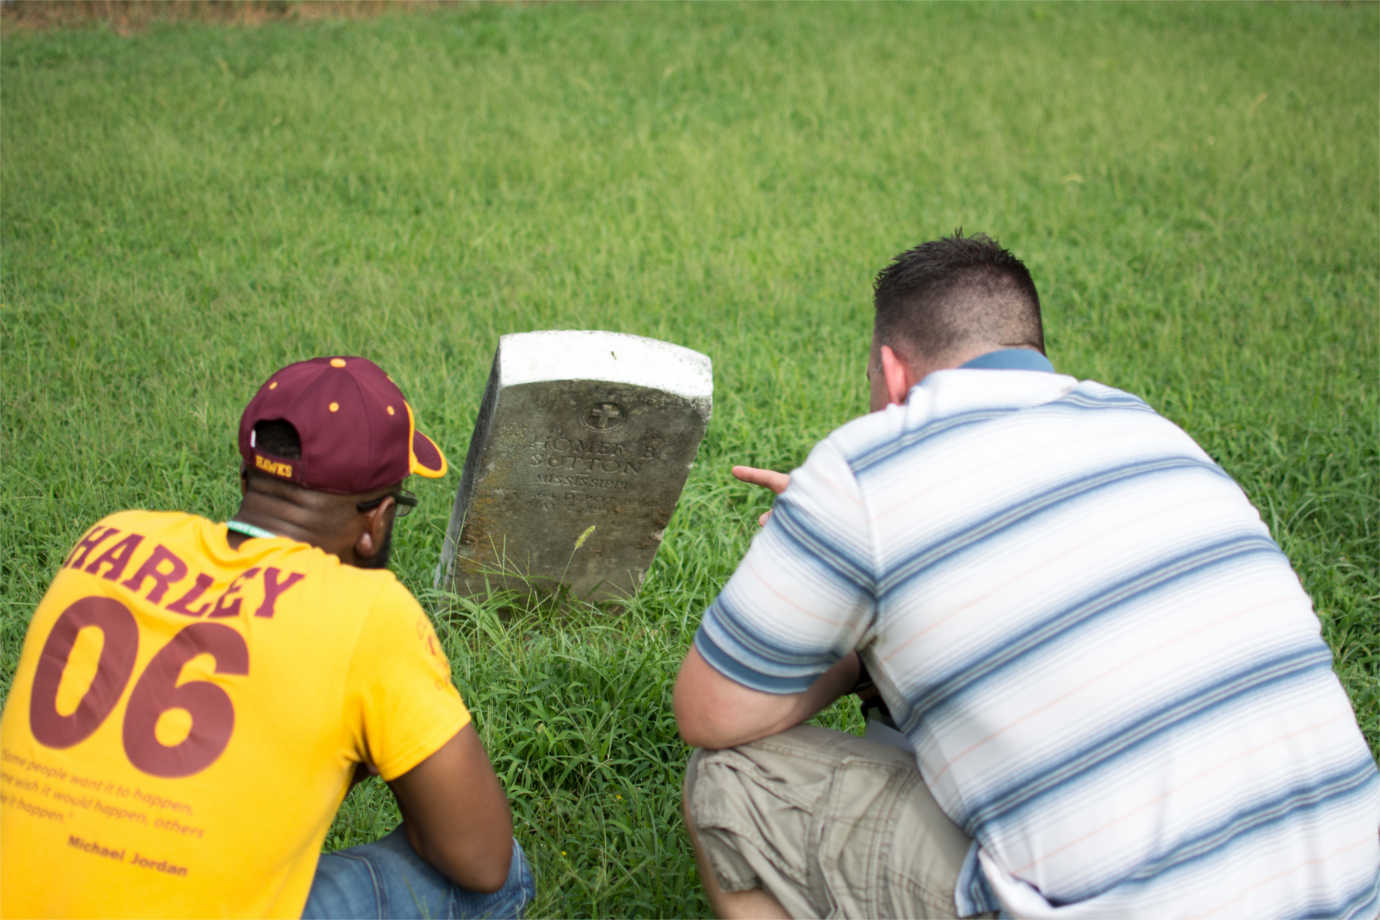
[371, 538]
[898, 376]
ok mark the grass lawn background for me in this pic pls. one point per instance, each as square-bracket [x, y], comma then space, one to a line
[186, 207]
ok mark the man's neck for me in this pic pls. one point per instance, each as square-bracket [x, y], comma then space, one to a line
[271, 516]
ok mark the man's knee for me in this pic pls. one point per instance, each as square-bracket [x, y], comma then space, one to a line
[824, 820]
[518, 890]
[748, 812]
[387, 878]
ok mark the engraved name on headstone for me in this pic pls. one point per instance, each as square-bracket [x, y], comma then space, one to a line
[579, 454]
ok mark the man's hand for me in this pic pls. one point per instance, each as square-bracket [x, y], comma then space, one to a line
[769, 479]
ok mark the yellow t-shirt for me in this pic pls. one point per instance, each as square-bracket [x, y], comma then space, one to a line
[185, 720]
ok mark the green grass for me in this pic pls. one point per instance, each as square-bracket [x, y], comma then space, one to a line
[1196, 189]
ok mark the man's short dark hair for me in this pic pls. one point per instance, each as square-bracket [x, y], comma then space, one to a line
[953, 292]
[278, 438]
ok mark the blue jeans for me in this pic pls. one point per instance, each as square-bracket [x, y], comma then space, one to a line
[387, 878]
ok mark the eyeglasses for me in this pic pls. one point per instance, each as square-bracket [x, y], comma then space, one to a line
[405, 500]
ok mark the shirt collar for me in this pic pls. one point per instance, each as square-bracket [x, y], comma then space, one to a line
[1010, 359]
[249, 530]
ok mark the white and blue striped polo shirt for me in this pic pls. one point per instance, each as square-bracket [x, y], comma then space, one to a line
[1112, 678]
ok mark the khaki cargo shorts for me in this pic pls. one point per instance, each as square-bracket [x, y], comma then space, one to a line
[832, 825]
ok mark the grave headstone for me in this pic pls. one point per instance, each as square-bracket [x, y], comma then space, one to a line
[582, 445]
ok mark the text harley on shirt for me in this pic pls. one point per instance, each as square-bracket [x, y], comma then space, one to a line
[161, 568]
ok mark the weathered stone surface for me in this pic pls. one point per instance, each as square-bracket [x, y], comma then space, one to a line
[582, 446]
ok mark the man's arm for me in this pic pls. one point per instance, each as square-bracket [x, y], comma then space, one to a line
[456, 813]
[713, 711]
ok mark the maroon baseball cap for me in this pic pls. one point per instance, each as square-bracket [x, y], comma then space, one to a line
[356, 429]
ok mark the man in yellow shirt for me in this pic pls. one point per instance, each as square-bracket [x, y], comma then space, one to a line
[194, 698]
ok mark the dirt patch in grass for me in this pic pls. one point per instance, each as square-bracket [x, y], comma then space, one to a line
[126, 17]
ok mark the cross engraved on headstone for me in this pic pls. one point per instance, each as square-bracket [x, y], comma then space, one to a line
[605, 415]
[582, 445]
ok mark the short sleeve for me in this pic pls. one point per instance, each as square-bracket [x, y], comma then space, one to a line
[803, 596]
[400, 685]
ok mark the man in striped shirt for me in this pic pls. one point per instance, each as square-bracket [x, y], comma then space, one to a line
[1111, 692]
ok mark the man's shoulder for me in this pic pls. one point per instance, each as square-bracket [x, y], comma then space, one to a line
[142, 519]
[191, 535]
[380, 584]
[957, 390]
[956, 408]
[353, 586]
[967, 395]
[181, 532]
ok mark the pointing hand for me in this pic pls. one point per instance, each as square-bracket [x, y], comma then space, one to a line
[769, 479]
